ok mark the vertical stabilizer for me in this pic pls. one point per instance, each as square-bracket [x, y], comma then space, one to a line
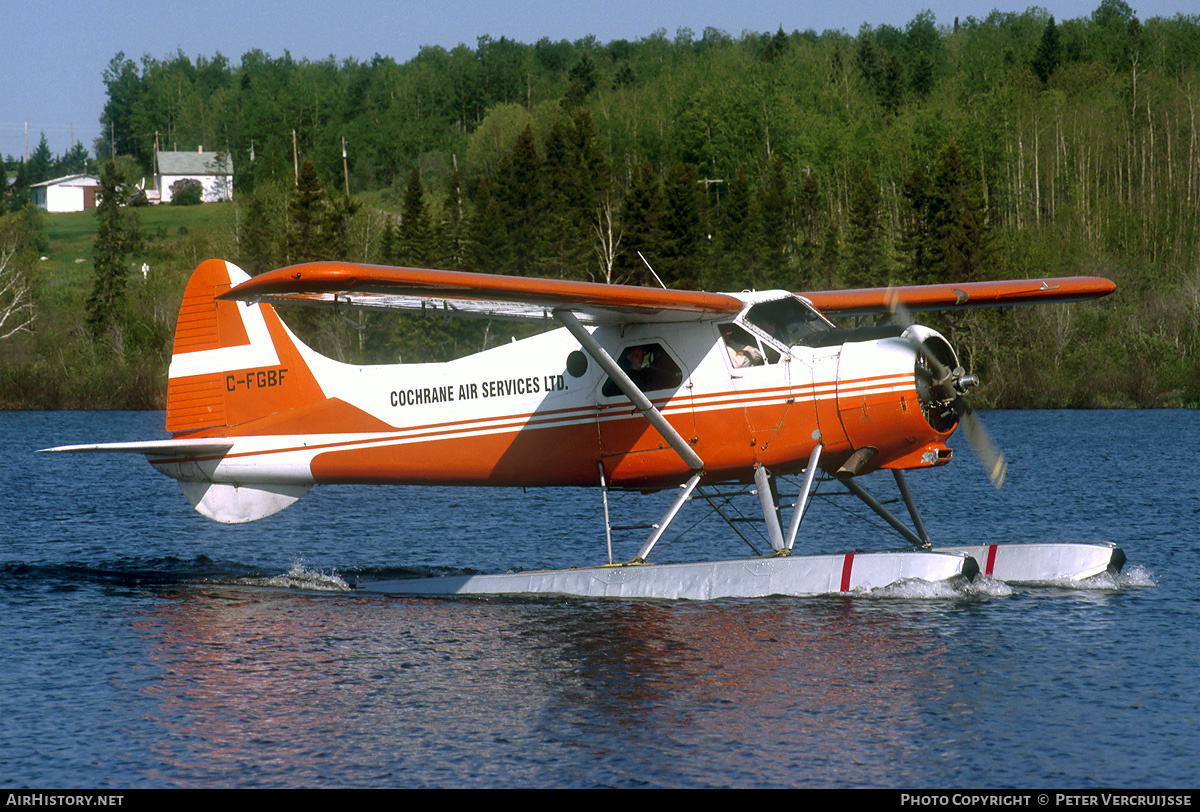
[233, 362]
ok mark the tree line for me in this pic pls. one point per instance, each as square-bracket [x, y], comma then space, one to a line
[1009, 146]
[1084, 125]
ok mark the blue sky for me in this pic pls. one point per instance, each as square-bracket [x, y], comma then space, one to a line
[55, 52]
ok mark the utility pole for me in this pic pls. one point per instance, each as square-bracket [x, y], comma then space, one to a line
[295, 159]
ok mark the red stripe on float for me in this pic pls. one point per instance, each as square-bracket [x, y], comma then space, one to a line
[991, 562]
[847, 566]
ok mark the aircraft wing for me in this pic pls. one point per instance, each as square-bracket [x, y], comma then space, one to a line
[870, 301]
[481, 295]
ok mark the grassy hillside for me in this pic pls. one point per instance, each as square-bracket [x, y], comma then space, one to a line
[58, 365]
[65, 271]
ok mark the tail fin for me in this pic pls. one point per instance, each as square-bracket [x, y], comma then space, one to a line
[233, 362]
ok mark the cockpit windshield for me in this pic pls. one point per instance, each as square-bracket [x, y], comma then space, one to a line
[789, 321]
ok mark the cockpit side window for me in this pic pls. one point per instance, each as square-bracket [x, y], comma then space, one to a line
[788, 321]
[648, 366]
[744, 349]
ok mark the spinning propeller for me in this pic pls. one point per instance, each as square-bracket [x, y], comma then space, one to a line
[943, 390]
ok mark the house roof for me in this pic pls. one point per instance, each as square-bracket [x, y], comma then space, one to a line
[194, 163]
[69, 180]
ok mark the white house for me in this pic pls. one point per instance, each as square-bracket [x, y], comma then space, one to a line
[214, 170]
[72, 193]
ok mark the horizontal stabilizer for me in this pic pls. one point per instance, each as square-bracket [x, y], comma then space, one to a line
[152, 448]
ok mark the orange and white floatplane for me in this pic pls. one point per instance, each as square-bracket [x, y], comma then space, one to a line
[639, 389]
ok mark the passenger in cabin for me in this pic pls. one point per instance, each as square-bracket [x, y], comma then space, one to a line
[638, 362]
[642, 364]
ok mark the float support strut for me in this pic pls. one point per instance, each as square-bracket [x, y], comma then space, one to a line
[684, 493]
[768, 498]
[884, 513]
[802, 498]
[906, 494]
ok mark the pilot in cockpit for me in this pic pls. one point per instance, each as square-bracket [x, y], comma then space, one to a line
[742, 348]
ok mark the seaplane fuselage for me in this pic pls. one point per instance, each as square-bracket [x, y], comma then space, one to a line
[761, 387]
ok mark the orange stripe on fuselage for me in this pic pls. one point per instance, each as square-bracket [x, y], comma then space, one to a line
[562, 446]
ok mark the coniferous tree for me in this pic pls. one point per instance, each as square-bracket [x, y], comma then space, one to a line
[520, 196]
[775, 206]
[959, 249]
[389, 253]
[595, 175]
[41, 163]
[337, 228]
[1049, 52]
[867, 59]
[563, 227]
[259, 232]
[75, 161]
[414, 238]
[115, 241]
[641, 224]
[864, 263]
[487, 248]
[829, 259]
[413, 243]
[624, 77]
[775, 46]
[309, 212]
[736, 267]
[582, 82]
[923, 52]
[882, 71]
[684, 234]
[18, 193]
[916, 235]
[807, 212]
[890, 89]
[579, 178]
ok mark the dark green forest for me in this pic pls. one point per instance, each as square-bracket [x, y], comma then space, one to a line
[1006, 147]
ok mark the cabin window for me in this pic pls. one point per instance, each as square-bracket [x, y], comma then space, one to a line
[788, 321]
[648, 366]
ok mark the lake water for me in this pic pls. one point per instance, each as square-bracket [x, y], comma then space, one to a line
[145, 646]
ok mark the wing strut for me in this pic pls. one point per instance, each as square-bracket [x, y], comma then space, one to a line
[630, 389]
[643, 405]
